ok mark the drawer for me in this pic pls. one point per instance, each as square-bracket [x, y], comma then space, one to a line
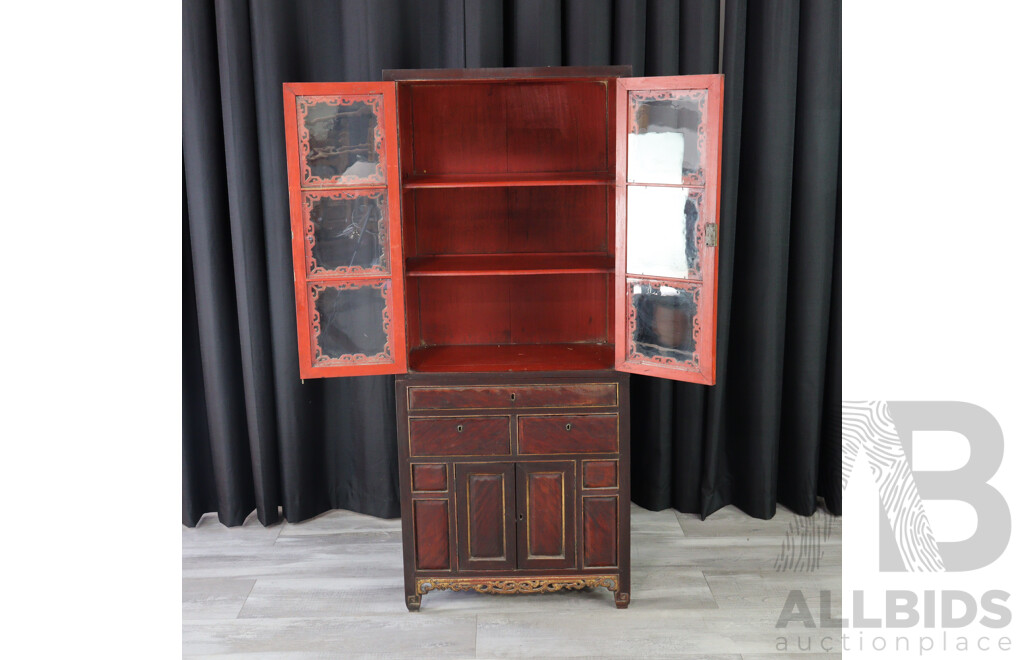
[460, 436]
[568, 395]
[568, 434]
[435, 398]
[523, 396]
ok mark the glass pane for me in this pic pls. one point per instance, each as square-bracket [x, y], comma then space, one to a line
[346, 232]
[667, 134]
[663, 231]
[663, 325]
[351, 323]
[340, 140]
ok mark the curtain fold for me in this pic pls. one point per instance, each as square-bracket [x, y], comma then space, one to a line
[257, 438]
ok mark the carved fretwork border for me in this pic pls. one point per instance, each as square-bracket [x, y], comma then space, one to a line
[520, 585]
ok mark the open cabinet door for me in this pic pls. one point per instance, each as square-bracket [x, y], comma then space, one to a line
[669, 136]
[343, 183]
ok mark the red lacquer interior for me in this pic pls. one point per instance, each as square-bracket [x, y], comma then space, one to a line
[508, 220]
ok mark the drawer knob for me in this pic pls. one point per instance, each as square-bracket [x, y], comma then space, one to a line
[513, 396]
[568, 427]
[459, 428]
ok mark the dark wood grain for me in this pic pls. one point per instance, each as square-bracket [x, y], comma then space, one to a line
[485, 506]
[576, 394]
[430, 477]
[427, 398]
[430, 520]
[559, 392]
[568, 434]
[600, 531]
[459, 436]
[546, 498]
[523, 396]
[600, 474]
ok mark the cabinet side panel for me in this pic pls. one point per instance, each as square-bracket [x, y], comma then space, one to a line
[431, 524]
[600, 531]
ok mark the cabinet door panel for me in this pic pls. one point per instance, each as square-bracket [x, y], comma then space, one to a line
[485, 515]
[547, 514]
[667, 194]
[343, 182]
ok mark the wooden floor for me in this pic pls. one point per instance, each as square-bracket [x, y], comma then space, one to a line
[332, 587]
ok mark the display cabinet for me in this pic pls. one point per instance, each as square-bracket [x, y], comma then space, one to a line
[512, 243]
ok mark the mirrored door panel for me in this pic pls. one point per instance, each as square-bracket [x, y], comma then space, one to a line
[346, 232]
[663, 323]
[351, 323]
[346, 235]
[341, 139]
[667, 181]
[667, 139]
[666, 231]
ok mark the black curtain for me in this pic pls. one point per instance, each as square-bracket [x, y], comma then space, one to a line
[255, 437]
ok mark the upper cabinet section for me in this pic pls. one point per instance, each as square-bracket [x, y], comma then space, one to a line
[522, 127]
[667, 192]
[551, 218]
[343, 183]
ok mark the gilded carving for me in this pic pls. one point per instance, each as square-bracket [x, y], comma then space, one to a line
[522, 585]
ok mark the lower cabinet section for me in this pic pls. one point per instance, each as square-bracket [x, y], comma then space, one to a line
[508, 500]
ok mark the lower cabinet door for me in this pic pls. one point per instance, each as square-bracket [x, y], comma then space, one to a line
[546, 503]
[485, 498]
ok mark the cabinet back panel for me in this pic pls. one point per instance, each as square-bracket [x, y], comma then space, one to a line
[531, 309]
[511, 126]
[495, 220]
[559, 308]
[463, 310]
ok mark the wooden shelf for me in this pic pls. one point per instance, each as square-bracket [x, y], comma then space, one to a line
[503, 180]
[509, 264]
[512, 357]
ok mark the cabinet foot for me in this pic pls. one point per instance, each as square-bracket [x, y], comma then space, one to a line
[621, 600]
[413, 603]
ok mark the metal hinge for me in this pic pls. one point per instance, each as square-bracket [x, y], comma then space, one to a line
[711, 234]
